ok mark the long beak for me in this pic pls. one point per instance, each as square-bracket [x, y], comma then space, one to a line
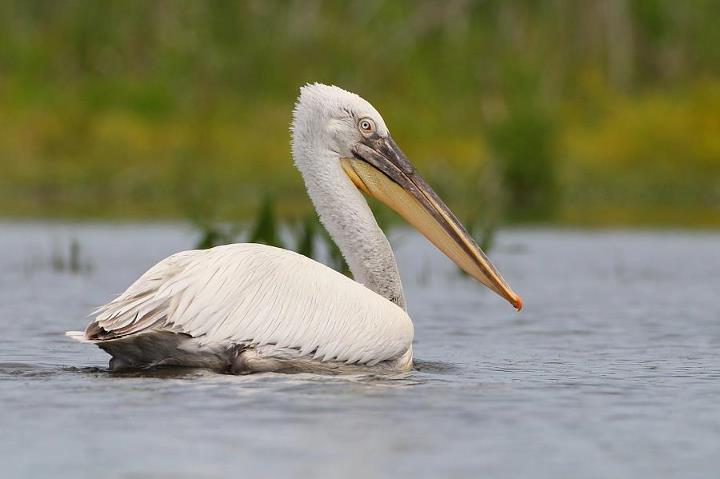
[381, 170]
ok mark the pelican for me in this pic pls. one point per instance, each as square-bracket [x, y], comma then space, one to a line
[244, 308]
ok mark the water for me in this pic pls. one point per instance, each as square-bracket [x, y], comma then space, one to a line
[612, 370]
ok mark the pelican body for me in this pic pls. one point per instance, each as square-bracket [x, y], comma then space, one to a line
[246, 308]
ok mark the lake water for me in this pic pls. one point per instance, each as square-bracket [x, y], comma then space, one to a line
[611, 370]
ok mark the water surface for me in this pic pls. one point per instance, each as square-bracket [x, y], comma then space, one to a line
[611, 370]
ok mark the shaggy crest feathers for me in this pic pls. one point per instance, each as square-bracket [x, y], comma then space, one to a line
[330, 99]
[318, 102]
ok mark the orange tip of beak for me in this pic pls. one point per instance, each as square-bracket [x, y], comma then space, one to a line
[517, 303]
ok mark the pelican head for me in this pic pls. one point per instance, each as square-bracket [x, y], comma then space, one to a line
[339, 139]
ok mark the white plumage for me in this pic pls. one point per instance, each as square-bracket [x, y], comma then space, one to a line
[254, 295]
[249, 307]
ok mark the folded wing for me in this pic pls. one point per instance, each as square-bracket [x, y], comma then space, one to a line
[257, 295]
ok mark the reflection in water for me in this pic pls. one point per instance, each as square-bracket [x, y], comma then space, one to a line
[435, 367]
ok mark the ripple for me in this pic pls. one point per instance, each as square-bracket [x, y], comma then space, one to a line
[24, 370]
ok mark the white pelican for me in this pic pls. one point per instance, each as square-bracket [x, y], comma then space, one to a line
[246, 308]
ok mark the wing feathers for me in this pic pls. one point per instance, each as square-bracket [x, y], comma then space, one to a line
[262, 296]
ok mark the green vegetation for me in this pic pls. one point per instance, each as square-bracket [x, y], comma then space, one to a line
[597, 112]
[303, 237]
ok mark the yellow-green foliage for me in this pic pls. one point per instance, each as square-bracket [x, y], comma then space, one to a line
[646, 158]
[584, 112]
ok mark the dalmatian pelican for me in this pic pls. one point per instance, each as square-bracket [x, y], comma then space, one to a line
[244, 308]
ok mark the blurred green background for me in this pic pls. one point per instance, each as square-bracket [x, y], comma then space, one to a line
[596, 112]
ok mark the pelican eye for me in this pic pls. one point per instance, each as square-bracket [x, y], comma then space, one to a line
[366, 126]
